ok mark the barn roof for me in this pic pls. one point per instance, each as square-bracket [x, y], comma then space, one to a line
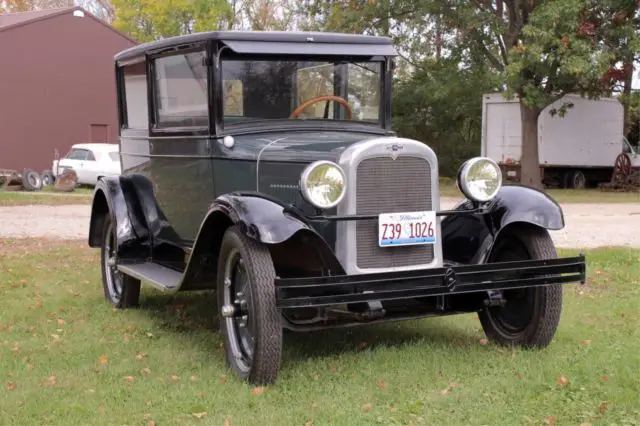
[18, 19]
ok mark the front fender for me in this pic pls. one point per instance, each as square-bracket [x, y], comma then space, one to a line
[261, 218]
[468, 239]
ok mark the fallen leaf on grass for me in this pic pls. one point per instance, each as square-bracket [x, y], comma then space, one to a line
[193, 378]
[227, 422]
[309, 423]
[49, 381]
[11, 386]
[603, 407]
[146, 371]
[151, 423]
[316, 377]
[149, 334]
[550, 420]
[363, 345]
[585, 342]
[562, 381]
[55, 337]
[15, 347]
[519, 375]
[174, 378]
[367, 408]
[382, 385]
[257, 391]
[129, 379]
[223, 378]
[104, 359]
[61, 321]
[484, 342]
[140, 356]
[314, 405]
[448, 389]
[605, 378]
[585, 424]
[199, 415]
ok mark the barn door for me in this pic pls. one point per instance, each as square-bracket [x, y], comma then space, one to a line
[99, 133]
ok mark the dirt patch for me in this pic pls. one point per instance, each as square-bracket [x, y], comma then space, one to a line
[587, 225]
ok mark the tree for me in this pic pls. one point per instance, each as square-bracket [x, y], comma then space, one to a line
[11, 6]
[146, 20]
[544, 50]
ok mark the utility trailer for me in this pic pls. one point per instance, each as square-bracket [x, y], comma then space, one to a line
[575, 151]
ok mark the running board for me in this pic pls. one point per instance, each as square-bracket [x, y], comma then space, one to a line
[158, 276]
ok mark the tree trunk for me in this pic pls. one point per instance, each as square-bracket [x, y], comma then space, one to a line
[529, 162]
[628, 81]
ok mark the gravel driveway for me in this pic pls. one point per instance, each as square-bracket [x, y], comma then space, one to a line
[587, 225]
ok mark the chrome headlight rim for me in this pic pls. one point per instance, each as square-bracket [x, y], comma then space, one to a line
[306, 190]
[462, 180]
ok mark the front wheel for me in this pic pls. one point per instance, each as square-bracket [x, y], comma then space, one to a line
[529, 316]
[249, 321]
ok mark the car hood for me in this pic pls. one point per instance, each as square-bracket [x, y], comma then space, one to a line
[302, 147]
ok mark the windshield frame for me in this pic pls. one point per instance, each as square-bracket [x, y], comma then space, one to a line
[383, 124]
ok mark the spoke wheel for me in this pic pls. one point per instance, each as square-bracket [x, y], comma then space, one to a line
[530, 316]
[238, 294]
[249, 321]
[121, 290]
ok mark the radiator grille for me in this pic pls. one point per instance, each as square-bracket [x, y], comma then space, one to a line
[385, 185]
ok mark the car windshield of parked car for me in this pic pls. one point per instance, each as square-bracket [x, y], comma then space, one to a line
[257, 90]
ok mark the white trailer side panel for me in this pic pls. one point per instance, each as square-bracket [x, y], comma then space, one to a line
[589, 135]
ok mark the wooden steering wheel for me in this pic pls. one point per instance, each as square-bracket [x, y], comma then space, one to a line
[307, 104]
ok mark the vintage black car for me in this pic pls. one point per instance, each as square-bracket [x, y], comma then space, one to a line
[262, 165]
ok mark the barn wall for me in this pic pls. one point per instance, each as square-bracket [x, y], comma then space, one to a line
[56, 81]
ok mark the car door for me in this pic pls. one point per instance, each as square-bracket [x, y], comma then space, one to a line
[74, 160]
[180, 165]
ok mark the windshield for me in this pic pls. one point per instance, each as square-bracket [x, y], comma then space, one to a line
[276, 89]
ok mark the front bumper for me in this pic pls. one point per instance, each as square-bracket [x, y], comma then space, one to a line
[448, 280]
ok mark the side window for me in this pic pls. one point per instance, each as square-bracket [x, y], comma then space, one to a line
[181, 98]
[77, 154]
[90, 156]
[135, 89]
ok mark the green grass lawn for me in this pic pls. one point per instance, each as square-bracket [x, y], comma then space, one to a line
[67, 358]
[47, 196]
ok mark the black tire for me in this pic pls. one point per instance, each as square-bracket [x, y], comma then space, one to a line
[48, 178]
[122, 291]
[31, 180]
[531, 315]
[253, 334]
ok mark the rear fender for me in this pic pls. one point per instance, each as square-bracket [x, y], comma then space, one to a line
[469, 239]
[110, 198]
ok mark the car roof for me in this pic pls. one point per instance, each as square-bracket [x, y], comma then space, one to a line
[96, 146]
[274, 42]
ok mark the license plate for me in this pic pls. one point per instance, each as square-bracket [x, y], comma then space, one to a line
[406, 229]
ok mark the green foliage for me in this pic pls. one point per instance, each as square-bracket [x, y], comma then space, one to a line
[147, 20]
[441, 105]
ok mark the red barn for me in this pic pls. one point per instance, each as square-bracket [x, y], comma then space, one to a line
[57, 84]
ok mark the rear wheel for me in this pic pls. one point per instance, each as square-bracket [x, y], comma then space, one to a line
[249, 321]
[31, 180]
[121, 290]
[529, 316]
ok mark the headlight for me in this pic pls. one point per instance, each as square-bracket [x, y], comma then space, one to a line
[323, 184]
[480, 179]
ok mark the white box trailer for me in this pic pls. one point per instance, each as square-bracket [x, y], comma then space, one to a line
[576, 150]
